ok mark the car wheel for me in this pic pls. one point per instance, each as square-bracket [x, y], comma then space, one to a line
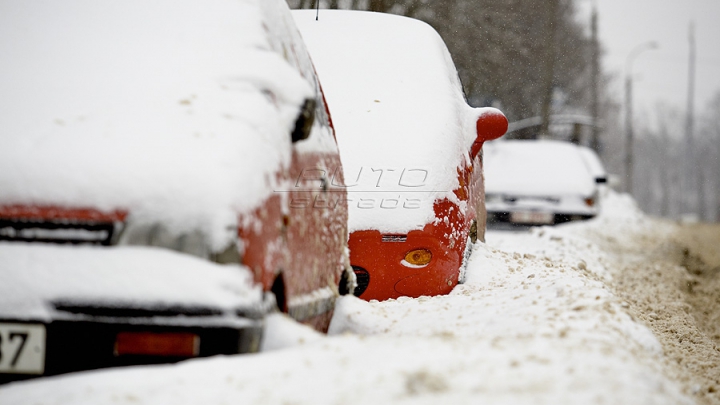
[473, 232]
[278, 289]
[348, 282]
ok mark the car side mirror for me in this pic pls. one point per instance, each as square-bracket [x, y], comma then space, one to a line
[491, 124]
[305, 120]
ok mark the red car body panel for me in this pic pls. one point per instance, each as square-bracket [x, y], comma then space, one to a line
[447, 237]
[297, 252]
[303, 245]
[392, 116]
[297, 237]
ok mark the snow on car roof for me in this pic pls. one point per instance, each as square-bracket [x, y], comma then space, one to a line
[402, 123]
[593, 162]
[35, 276]
[178, 110]
[536, 168]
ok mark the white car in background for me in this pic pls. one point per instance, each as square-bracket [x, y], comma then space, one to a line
[541, 182]
[595, 165]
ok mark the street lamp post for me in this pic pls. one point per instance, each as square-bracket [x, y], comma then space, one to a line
[628, 111]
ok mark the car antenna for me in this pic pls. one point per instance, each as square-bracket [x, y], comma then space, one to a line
[317, 4]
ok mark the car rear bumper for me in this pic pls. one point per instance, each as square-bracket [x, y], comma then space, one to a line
[77, 345]
[378, 263]
[506, 217]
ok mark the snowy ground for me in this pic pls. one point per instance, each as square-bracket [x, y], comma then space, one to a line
[618, 310]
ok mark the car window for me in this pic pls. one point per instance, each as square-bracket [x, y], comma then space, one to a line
[286, 40]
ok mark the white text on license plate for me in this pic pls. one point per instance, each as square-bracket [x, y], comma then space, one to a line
[531, 217]
[22, 348]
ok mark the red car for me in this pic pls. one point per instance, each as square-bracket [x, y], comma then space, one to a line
[136, 138]
[410, 147]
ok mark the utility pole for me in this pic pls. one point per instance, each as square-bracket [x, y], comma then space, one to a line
[548, 67]
[629, 141]
[691, 153]
[594, 77]
[629, 136]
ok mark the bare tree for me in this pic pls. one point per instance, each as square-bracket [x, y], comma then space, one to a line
[663, 170]
[709, 136]
[548, 65]
[499, 49]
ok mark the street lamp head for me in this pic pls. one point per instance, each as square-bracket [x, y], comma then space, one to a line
[645, 46]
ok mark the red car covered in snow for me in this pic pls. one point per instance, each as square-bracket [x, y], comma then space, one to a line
[149, 156]
[411, 149]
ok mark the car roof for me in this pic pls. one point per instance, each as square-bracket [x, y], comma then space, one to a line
[536, 168]
[396, 102]
[593, 162]
[178, 110]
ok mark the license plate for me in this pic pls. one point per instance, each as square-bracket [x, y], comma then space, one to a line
[22, 348]
[531, 217]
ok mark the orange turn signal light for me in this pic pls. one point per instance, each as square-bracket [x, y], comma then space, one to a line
[418, 257]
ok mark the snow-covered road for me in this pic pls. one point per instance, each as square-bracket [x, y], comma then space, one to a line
[565, 315]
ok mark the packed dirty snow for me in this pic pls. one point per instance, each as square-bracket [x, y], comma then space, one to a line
[538, 321]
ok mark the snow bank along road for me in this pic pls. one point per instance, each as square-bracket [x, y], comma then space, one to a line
[622, 309]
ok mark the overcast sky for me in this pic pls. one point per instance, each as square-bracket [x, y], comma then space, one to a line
[660, 75]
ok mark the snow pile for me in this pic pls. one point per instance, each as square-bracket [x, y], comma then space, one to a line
[402, 124]
[534, 323]
[622, 224]
[525, 329]
[35, 276]
[175, 110]
[283, 332]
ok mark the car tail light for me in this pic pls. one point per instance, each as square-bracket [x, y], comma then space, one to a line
[157, 344]
[418, 257]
